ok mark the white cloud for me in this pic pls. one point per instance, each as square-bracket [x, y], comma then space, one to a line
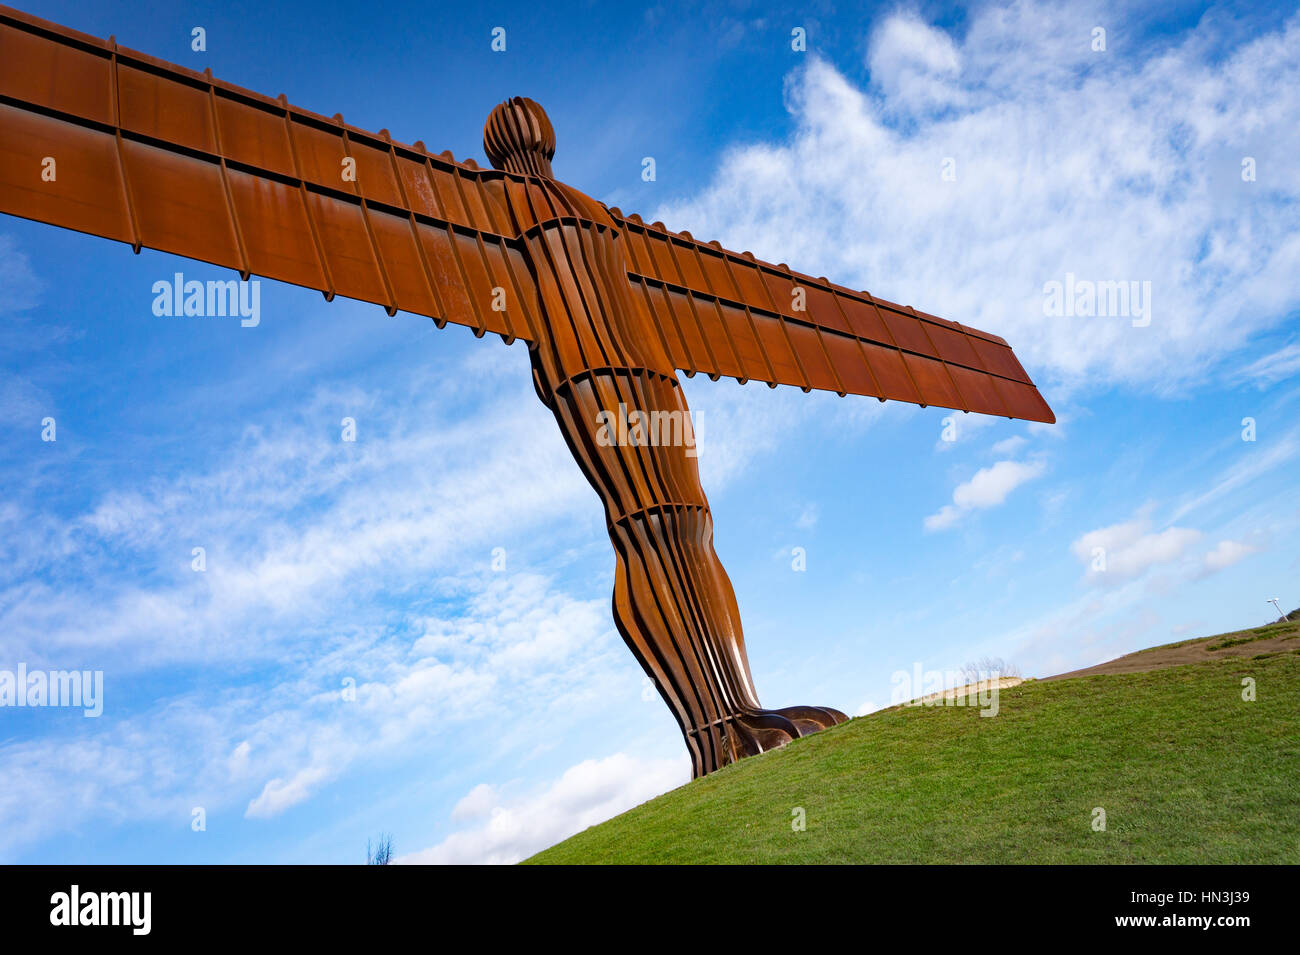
[1127, 550]
[988, 488]
[510, 829]
[477, 802]
[1010, 445]
[914, 64]
[517, 623]
[942, 519]
[1121, 166]
[279, 794]
[1228, 553]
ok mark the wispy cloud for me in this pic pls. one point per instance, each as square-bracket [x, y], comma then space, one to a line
[270, 744]
[22, 289]
[1274, 367]
[401, 501]
[988, 488]
[1256, 460]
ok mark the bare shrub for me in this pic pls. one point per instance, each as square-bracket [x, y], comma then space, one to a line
[987, 667]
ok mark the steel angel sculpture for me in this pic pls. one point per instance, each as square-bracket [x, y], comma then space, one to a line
[611, 308]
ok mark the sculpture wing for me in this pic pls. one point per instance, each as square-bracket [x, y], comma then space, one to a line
[727, 313]
[156, 155]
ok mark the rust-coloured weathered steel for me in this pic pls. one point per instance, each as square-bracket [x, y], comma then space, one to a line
[156, 155]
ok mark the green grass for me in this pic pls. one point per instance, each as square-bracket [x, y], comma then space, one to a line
[1186, 771]
[1263, 633]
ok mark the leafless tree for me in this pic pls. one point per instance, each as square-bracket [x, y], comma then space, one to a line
[381, 854]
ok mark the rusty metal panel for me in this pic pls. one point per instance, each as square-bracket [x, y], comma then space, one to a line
[449, 281]
[812, 356]
[526, 289]
[662, 257]
[164, 108]
[403, 262]
[752, 290]
[999, 359]
[688, 266]
[320, 152]
[864, 320]
[59, 76]
[776, 346]
[418, 188]
[718, 274]
[780, 290]
[276, 233]
[512, 317]
[472, 198]
[1023, 400]
[254, 135]
[977, 390]
[933, 382]
[662, 321]
[908, 333]
[90, 197]
[821, 302]
[688, 321]
[891, 373]
[374, 172]
[442, 180]
[954, 346]
[749, 354]
[850, 365]
[171, 193]
[479, 283]
[637, 251]
[345, 242]
[717, 337]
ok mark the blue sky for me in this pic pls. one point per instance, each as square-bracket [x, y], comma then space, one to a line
[497, 710]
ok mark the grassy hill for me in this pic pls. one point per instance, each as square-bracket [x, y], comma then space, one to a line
[1186, 771]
